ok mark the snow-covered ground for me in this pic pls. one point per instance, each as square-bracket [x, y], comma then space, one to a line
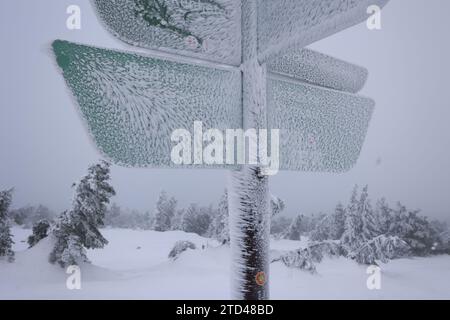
[135, 266]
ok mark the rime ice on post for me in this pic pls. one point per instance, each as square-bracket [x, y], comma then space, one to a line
[249, 189]
[231, 64]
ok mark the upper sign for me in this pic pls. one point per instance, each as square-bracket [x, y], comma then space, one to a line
[205, 29]
[211, 29]
[283, 24]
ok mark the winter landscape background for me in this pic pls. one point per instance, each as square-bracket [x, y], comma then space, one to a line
[405, 159]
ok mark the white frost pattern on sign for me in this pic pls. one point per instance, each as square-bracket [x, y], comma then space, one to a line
[320, 129]
[207, 29]
[283, 24]
[133, 103]
[319, 69]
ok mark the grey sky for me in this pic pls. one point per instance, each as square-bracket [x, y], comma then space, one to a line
[44, 146]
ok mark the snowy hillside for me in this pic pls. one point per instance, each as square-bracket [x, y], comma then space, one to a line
[135, 266]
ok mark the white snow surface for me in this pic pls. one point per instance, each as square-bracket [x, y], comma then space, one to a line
[123, 271]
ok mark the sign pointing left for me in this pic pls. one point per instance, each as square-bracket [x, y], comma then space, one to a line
[205, 29]
[132, 103]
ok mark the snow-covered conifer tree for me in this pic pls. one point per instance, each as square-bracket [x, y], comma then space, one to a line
[277, 205]
[384, 213]
[164, 212]
[352, 236]
[220, 229]
[77, 228]
[279, 226]
[370, 226]
[112, 216]
[381, 249]
[40, 231]
[177, 220]
[196, 220]
[294, 231]
[337, 225]
[323, 229]
[415, 230]
[6, 241]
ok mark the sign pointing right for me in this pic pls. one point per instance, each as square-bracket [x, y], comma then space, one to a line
[283, 24]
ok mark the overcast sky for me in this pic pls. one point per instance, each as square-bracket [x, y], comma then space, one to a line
[406, 156]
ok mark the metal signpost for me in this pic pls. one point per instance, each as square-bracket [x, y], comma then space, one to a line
[228, 64]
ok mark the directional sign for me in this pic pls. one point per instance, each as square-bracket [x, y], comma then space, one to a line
[207, 29]
[321, 130]
[283, 24]
[133, 103]
[319, 69]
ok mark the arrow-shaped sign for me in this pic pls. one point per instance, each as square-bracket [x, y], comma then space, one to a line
[319, 69]
[283, 24]
[133, 103]
[205, 29]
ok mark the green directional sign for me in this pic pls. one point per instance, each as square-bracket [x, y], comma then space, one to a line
[206, 29]
[319, 69]
[320, 129]
[132, 103]
[283, 24]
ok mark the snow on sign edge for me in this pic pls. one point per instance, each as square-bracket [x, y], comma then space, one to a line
[131, 103]
[284, 24]
[215, 38]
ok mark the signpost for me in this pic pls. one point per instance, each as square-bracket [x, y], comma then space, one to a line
[230, 64]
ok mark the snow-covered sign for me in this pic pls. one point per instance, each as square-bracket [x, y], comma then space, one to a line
[311, 99]
[205, 29]
[283, 24]
[321, 130]
[133, 103]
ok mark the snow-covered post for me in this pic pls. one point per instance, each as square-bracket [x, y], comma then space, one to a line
[249, 190]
